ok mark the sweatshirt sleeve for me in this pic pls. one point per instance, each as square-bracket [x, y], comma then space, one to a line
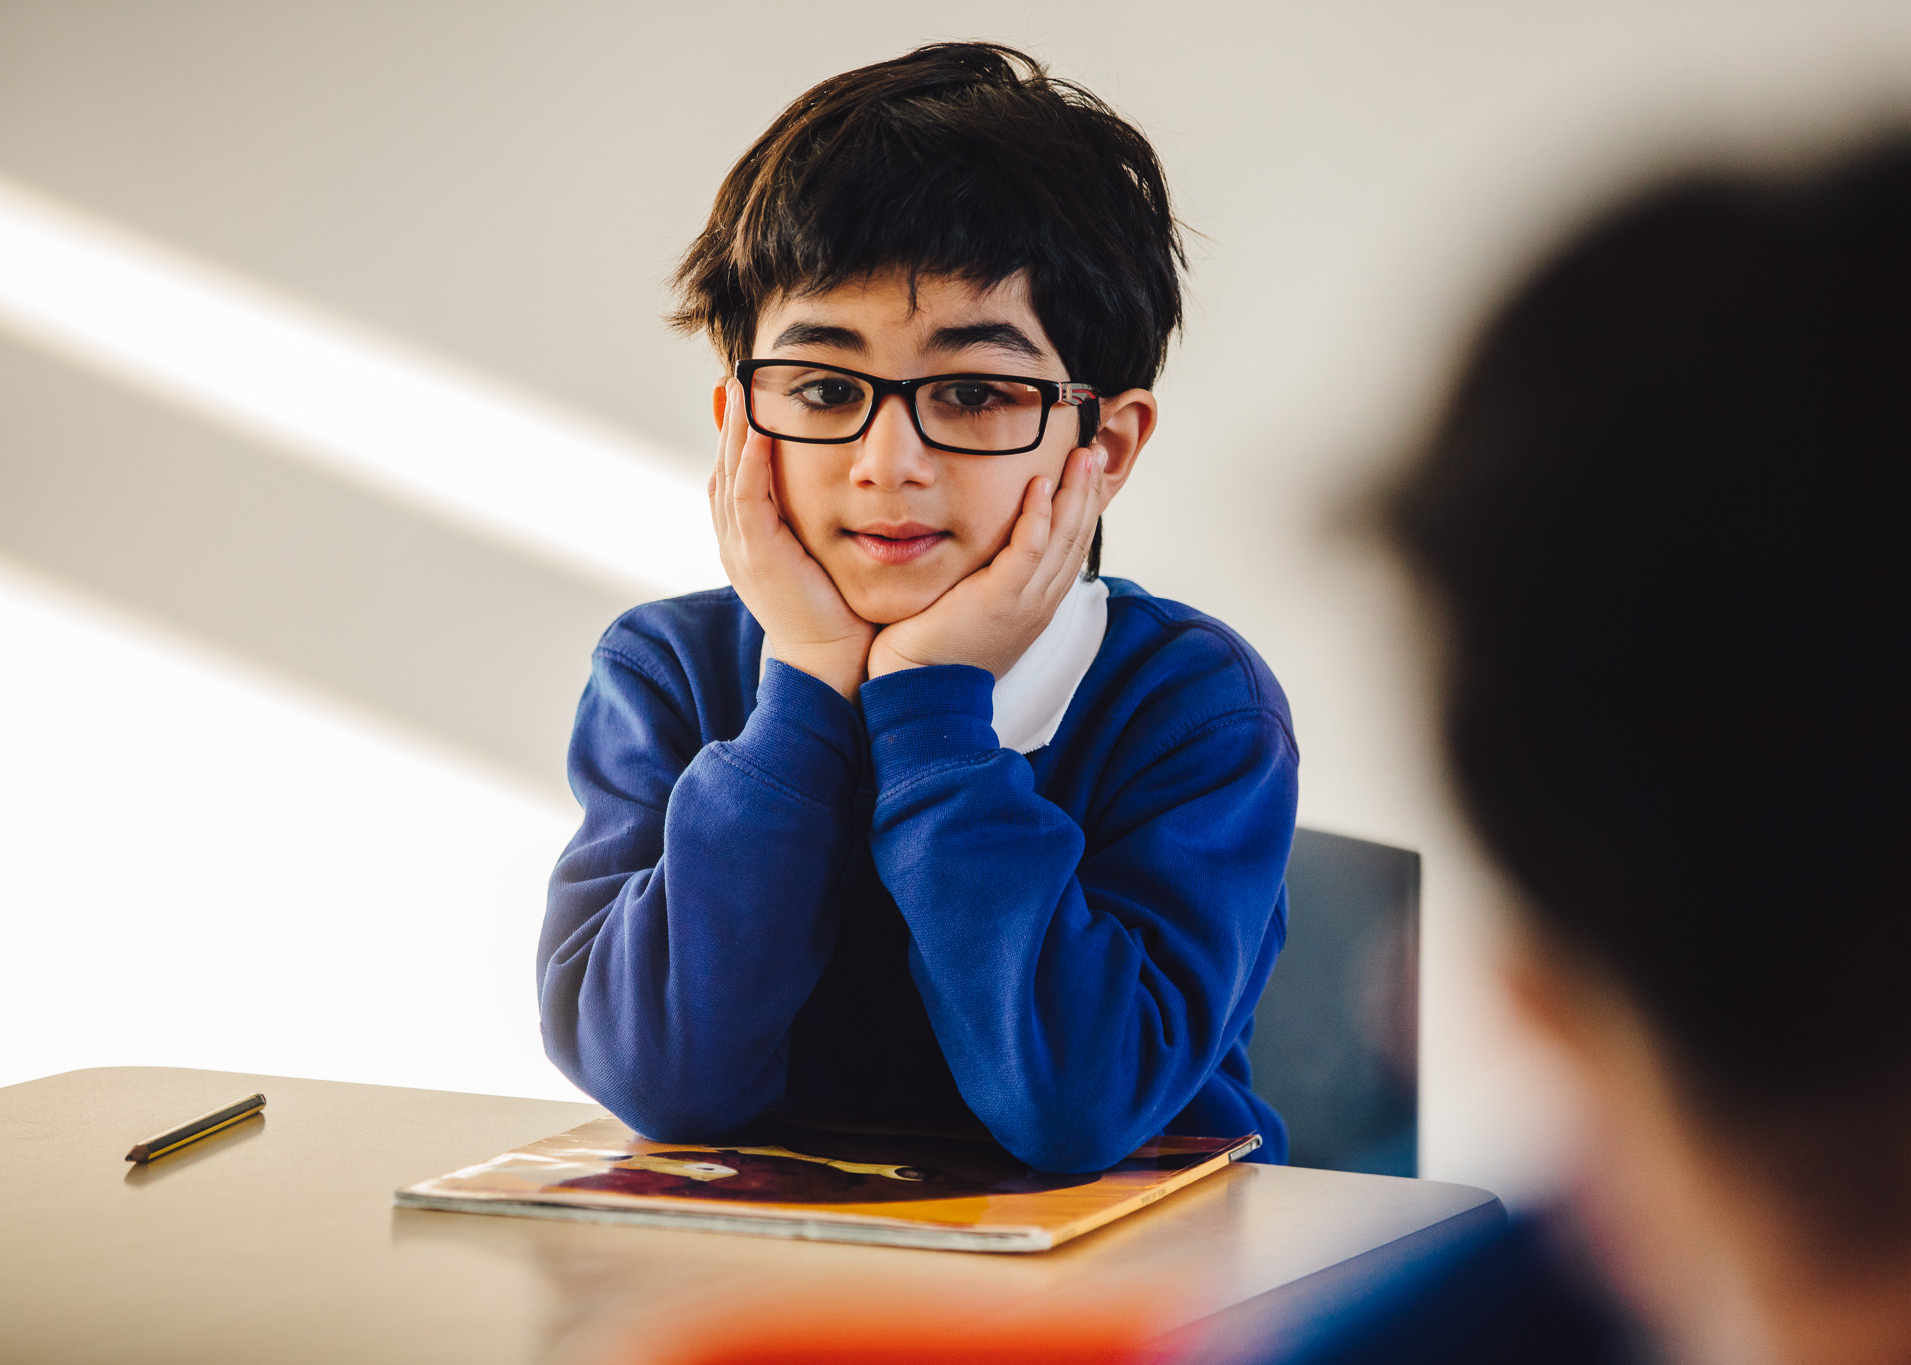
[695, 909]
[1083, 983]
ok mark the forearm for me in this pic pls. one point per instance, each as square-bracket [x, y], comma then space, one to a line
[680, 943]
[1082, 991]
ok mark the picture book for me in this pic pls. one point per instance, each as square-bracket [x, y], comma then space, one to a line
[780, 1180]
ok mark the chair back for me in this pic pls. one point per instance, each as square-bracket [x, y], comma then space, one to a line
[1336, 1037]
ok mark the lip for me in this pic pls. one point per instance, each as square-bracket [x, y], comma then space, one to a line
[897, 542]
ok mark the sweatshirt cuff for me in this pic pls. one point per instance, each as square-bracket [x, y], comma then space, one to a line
[805, 734]
[921, 716]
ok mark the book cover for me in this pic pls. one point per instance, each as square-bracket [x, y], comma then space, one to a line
[781, 1180]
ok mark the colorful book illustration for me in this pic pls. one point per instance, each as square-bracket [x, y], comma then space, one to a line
[780, 1180]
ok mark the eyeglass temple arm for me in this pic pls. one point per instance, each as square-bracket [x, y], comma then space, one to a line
[1090, 414]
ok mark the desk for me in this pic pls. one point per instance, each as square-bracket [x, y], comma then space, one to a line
[277, 1240]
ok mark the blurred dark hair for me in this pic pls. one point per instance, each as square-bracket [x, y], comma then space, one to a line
[959, 159]
[1665, 513]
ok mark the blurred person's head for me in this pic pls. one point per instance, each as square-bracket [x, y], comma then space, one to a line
[1664, 520]
[954, 211]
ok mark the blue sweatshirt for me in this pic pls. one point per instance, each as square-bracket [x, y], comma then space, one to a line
[777, 904]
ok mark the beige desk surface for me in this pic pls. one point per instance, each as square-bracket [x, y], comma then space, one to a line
[277, 1240]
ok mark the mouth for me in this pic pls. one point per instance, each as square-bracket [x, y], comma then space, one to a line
[897, 544]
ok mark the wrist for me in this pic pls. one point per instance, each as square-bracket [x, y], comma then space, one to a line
[885, 659]
[839, 665]
[805, 734]
[926, 715]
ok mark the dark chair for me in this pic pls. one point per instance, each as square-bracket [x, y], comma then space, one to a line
[1335, 1044]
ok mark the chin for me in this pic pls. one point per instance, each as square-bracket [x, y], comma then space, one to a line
[886, 607]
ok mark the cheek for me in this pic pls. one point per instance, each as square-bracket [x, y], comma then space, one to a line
[799, 492]
[1001, 490]
[995, 508]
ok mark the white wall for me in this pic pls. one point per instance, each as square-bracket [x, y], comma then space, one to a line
[256, 721]
[205, 867]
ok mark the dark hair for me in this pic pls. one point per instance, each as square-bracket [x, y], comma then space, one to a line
[1665, 513]
[959, 159]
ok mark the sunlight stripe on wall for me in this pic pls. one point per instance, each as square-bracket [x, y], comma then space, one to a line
[514, 469]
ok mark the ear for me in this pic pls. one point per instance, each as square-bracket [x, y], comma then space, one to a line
[1565, 998]
[720, 401]
[1127, 421]
[1541, 990]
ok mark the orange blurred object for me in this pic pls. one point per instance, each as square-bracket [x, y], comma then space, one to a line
[1095, 1336]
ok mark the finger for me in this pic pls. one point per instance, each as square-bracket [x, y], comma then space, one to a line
[717, 491]
[752, 503]
[724, 408]
[729, 452]
[736, 427]
[1033, 530]
[1077, 505]
[751, 476]
[1097, 500]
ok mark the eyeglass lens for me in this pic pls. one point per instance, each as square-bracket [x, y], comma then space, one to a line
[810, 403]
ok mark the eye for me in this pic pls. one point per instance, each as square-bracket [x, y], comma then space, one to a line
[968, 395]
[828, 391]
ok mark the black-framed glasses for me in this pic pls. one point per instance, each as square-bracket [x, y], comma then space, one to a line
[969, 414]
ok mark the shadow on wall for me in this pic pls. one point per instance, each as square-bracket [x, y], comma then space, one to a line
[391, 611]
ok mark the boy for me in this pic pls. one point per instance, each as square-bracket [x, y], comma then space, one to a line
[917, 824]
[1663, 517]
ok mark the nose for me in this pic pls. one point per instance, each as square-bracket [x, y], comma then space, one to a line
[891, 455]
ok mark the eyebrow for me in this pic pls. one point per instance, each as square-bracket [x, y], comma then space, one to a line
[820, 334]
[1005, 335]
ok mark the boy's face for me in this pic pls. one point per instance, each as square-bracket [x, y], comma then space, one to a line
[894, 522]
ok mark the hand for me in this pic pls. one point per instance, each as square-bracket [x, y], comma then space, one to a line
[991, 617]
[806, 623]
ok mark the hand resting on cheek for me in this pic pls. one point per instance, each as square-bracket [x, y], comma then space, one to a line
[987, 619]
[806, 623]
[991, 617]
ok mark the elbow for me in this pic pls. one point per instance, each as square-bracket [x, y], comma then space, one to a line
[670, 1120]
[658, 1104]
[1071, 1138]
[1074, 1152]
[1076, 1157]
[663, 1114]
